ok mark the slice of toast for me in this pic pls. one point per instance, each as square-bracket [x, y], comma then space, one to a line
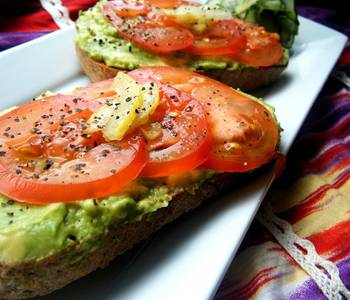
[245, 79]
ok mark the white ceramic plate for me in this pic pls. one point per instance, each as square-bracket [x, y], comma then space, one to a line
[187, 259]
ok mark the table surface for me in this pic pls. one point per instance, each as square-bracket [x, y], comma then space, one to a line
[311, 195]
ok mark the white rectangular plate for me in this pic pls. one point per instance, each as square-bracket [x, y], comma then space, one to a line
[187, 259]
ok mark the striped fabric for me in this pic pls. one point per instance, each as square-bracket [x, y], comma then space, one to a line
[313, 195]
[25, 20]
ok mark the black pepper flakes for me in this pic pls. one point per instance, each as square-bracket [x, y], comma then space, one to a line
[189, 108]
[105, 152]
[80, 166]
[36, 130]
[48, 164]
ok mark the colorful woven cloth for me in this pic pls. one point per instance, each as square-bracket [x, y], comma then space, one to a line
[25, 20]
[313, 195]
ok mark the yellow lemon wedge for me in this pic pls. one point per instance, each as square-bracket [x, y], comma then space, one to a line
[197, 17]
[150, 96]
[129, 109]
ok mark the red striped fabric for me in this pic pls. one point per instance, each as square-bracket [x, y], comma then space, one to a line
[29, 15]
[25, 16]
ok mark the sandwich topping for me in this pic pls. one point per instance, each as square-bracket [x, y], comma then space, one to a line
[170, 26]
[99, 38]
[154, 122]
[70, 170]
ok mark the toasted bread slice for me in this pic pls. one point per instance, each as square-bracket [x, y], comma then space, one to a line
[47, 275]
[245, 79]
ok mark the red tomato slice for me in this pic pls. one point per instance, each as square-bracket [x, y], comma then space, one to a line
[150, 35]
[97, 170]
[93, 91]
[160, 39]
[180, 146]
[127, 8]
[101, 172]
[263, 48]
[184, 142]
[62, 139]
[244, 133]
[221, 38]
[41, 114]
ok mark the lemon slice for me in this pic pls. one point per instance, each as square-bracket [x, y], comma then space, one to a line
[129, 109]
[116, 117]
[151, 100]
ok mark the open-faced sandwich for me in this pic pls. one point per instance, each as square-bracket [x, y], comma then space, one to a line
[86, 175]
[219, 39]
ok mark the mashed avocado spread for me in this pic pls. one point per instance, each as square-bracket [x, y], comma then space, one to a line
[99, 39]
[32, 232]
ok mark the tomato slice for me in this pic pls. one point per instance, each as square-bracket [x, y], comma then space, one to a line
[244, 132]
[127, 8]
[97, 90]
[41, 114]
[263, 48]
[221, 38]
[150, 35]
[160, 39]
[48, 174]
[62, 139]
[184, 142]
[101, 172]
[226, 110]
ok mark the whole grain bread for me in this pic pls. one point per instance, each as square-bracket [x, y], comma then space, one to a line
[44, 276]
[245, 79]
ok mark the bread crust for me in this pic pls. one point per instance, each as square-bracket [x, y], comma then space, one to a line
[37, 278]
[245, 79]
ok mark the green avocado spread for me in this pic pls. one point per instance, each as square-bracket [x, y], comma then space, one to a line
[99, 39]
[32, 232]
